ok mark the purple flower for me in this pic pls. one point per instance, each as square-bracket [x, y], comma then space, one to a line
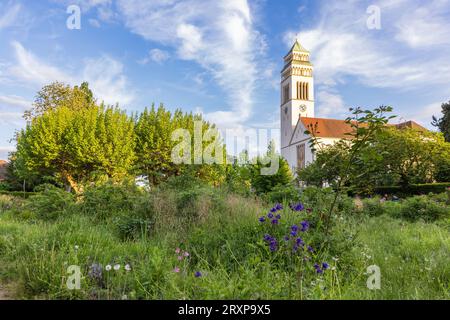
[305, 226]
[297, 207]
[293, 233]
[310, 249]
[286, 238]
[299, 242]
[294, 228]
[270, 215]
[267, 237]
[318, 270]
[262, 219]
[278, 217]
[274, 221]
[325, 266]
[198, 274]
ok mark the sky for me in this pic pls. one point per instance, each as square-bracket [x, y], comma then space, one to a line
[223, 58]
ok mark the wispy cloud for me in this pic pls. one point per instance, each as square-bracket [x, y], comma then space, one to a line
[9, 14]
[343, 47]
[156, 55]
[104, 74]
[218, 35]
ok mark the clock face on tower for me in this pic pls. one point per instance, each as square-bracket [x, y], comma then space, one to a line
[302, 108]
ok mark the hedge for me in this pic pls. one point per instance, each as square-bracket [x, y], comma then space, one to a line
[414, 189]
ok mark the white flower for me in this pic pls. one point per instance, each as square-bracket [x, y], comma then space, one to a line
[108, 267]
[127, 267]
[117, 267]
[77, 247]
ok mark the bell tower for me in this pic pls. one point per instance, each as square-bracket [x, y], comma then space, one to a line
[297, 91]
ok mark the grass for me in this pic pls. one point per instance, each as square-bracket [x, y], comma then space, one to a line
[225, 242]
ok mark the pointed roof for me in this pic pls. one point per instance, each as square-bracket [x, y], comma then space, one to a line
[298, 47]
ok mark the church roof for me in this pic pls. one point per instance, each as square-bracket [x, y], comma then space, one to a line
[340, 129]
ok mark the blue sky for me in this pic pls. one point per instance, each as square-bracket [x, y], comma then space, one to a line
[223, 58]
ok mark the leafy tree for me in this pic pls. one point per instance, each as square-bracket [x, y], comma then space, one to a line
[444, 123]
[264, 183]
[59, 94]
[154, 146]
[76, 146]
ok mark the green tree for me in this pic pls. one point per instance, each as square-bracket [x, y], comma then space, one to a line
[444, 123]
[58, 94]
[76, 146]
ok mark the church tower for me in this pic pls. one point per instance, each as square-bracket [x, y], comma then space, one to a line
[297, 91]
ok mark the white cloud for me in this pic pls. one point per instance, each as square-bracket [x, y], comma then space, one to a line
[156, 55]
[105, 75]
[218, 35]
[14, 102]
[343, 48]
[9, 15]
[329, 104]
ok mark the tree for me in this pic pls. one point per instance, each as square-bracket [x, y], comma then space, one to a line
[444, 123]
[264, 183]
[59, 94]
[76, 146]
[154, 146]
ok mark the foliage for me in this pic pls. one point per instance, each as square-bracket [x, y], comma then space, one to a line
[284, 193]
[50, 203]
[155, 144]
[56, 95]
[414, 189]
[75, 147]
[422, 208]
[269, 171]
[444, 123]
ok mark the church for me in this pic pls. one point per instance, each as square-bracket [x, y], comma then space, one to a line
[297, 112]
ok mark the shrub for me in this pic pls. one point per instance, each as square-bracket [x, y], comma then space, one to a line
[422, 208]
[373, 207]
[284, 193]
[108, 200]
[50, 203]
[414, 189]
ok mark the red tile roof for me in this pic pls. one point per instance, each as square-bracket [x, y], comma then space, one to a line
[3, 165]
[334, 128]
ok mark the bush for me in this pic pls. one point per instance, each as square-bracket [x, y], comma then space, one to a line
[50, 203]
[373, 207]
[284, 193]
[109, 200]
[422, 208]
[414, 189]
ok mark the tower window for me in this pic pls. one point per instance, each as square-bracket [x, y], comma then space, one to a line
[286, 94]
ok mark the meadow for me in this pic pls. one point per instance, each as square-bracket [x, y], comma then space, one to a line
[188, 240]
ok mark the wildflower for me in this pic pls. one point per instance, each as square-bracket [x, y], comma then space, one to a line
[127, 267]
[274, 221]
[262, 219]
[297, 207]
[180, 258]
[267, 237]
[279, 207]
[305, 226]
[270, 215]
[310, 249]
[294, 228]
[286, 238]
[325, 266]
[198, 274]
[108, 267]
[76, 247]
[293, 233]
[299, 242]
[278, 217]
[318, 270]
[186, 254]
[117, 267]
[176, 270]
[177, 250]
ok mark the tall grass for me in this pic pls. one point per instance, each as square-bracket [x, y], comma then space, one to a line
[122, 225]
